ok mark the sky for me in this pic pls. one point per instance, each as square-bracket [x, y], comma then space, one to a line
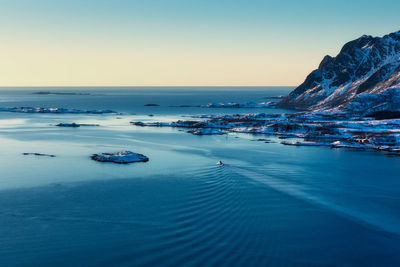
[179, 42]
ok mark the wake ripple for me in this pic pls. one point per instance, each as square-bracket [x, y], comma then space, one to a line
[214, 221]
[377, 222]
[210, 226]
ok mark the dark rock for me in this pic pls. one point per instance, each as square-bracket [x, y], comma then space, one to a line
[385, 115]
[38, 154]
[138, 123]
[73, 125]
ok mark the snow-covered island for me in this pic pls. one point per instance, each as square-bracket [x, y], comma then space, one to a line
[240, 105]
[54, 110]
[312, 128]
[249, 104]
[123, 157]
[206, 131]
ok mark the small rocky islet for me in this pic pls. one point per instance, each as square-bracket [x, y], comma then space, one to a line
[54, 110]
[75, 125]
[38, 154]
[123, 157]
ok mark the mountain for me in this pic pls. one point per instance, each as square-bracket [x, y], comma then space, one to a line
[363, 78]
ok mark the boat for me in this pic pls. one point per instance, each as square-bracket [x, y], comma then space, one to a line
[220, 163]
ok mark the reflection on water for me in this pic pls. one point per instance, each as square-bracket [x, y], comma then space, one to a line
[270, 205]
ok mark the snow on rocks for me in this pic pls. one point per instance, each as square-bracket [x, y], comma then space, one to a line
[206, 131]
[183, 124]
[339, 130]
[298, 143]
[364, 78]
[123, 157]
[239, 105]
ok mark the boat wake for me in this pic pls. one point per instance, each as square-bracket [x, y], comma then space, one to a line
[373, 220]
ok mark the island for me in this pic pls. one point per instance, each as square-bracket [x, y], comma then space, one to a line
[123, 157]
[75, 125]
[53, 110]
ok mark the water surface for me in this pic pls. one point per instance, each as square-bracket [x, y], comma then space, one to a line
[270, 205]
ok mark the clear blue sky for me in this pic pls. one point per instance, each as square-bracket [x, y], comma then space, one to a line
[185, 42]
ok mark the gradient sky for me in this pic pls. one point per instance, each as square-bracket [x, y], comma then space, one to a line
[185, 42]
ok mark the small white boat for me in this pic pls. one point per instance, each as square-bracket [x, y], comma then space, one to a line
[220, 163]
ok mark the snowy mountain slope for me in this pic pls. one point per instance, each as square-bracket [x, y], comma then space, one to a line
[364, 77]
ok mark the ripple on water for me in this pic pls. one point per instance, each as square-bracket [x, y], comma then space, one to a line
[214, 225]
[218, 216]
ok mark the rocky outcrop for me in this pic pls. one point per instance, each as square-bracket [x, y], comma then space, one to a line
[206, 131]
[123, 157]
[333, 129]
[239, 105]
[75, 125]
[363, 78]
[38, 154]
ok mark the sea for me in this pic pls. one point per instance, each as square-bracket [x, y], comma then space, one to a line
[269, 205]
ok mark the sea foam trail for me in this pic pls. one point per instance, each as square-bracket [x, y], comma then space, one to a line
[379, 222]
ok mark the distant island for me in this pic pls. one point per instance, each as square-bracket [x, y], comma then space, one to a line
[58, 93]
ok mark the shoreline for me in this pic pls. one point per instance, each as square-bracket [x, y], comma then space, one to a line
[339, 130]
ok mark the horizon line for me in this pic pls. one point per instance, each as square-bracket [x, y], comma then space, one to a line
[21, 86]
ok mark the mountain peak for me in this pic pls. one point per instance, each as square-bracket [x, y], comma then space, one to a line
[363, 77]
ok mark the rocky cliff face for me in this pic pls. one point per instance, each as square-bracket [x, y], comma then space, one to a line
[364, 77]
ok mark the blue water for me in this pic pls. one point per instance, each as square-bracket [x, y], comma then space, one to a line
[270, 205]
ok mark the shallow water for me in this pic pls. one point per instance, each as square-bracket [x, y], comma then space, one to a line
[270, 205]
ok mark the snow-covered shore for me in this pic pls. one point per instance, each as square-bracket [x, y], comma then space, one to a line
[314, 129]
[268, 104]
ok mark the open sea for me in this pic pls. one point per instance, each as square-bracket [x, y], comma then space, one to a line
[270, 205]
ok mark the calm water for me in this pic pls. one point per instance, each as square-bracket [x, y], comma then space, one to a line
[270, 205]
